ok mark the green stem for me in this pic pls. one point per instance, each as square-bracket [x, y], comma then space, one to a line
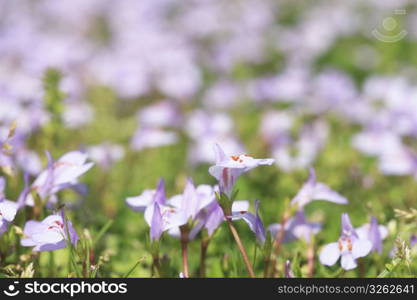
[241, 248]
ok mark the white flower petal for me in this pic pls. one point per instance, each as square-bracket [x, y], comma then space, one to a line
[330, 254]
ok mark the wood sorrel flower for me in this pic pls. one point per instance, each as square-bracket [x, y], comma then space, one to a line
[50, 234]
[349, 247]
[313, 190]
[228, 168]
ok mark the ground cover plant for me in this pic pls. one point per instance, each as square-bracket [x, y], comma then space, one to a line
[208, 138]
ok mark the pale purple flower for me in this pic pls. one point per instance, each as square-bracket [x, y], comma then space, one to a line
[228, 168]
[195, 204]
[313, 190]
[77, 114]
[349, 247]
[296, 154]
[8, 209]
[240, 211]
[152, 138]
[141, 202]
[159, 215]
[60, 174]
[413, 240]
[374, 233]
[296, 228]
[156, 226]
[49, 234]
[106, 154]
[287, 271]
[162, 114]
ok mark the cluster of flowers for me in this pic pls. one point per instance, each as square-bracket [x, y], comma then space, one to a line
[199, 208]
[168, 55]
[54, 231]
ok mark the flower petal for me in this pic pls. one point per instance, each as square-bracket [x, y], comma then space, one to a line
[330, 254]
[361, 248]
[348, 262]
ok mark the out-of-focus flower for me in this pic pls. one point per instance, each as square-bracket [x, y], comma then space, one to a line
[313, 190]
[292, 154]
[162, 114]
[374, 233]
[152, 137]
[8, 208]
[206, 129]
[288, 272]
[60, 174]
[228, 169]
[106, 154]
[349, 247]
[296, 228]
[413, 240]
[49, 234]
[77, 114]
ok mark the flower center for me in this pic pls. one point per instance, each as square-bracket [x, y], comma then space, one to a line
[56, 225]
[345, 244]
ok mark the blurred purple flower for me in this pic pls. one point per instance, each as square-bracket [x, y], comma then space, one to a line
[288, 272]
[152, 137]
[349, 247]
[296, 228]
[228, 169]
[8, 209]
[50, 234]
[413, 240]
[106, 154]
[374, 233]
[313, 190]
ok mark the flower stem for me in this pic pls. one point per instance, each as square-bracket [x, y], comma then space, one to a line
[184, 250]
[203, 255]
[276, 247]
[310, 260]
[241, 248]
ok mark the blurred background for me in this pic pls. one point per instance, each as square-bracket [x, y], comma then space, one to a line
[146, 87]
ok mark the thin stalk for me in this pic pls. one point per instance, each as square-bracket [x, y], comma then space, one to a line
[310, 259]
[276, 247]
[241, 248]
[184, 250]
[155, 266]
[203, 255]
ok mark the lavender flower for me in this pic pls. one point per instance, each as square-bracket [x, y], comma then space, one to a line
[240, 211]
[50, 234]
[349, 247]
[8, 209]
[374, 233]
[60, 175]
[158, 214]
[228, 169]
[296, 228]
[313, 190]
